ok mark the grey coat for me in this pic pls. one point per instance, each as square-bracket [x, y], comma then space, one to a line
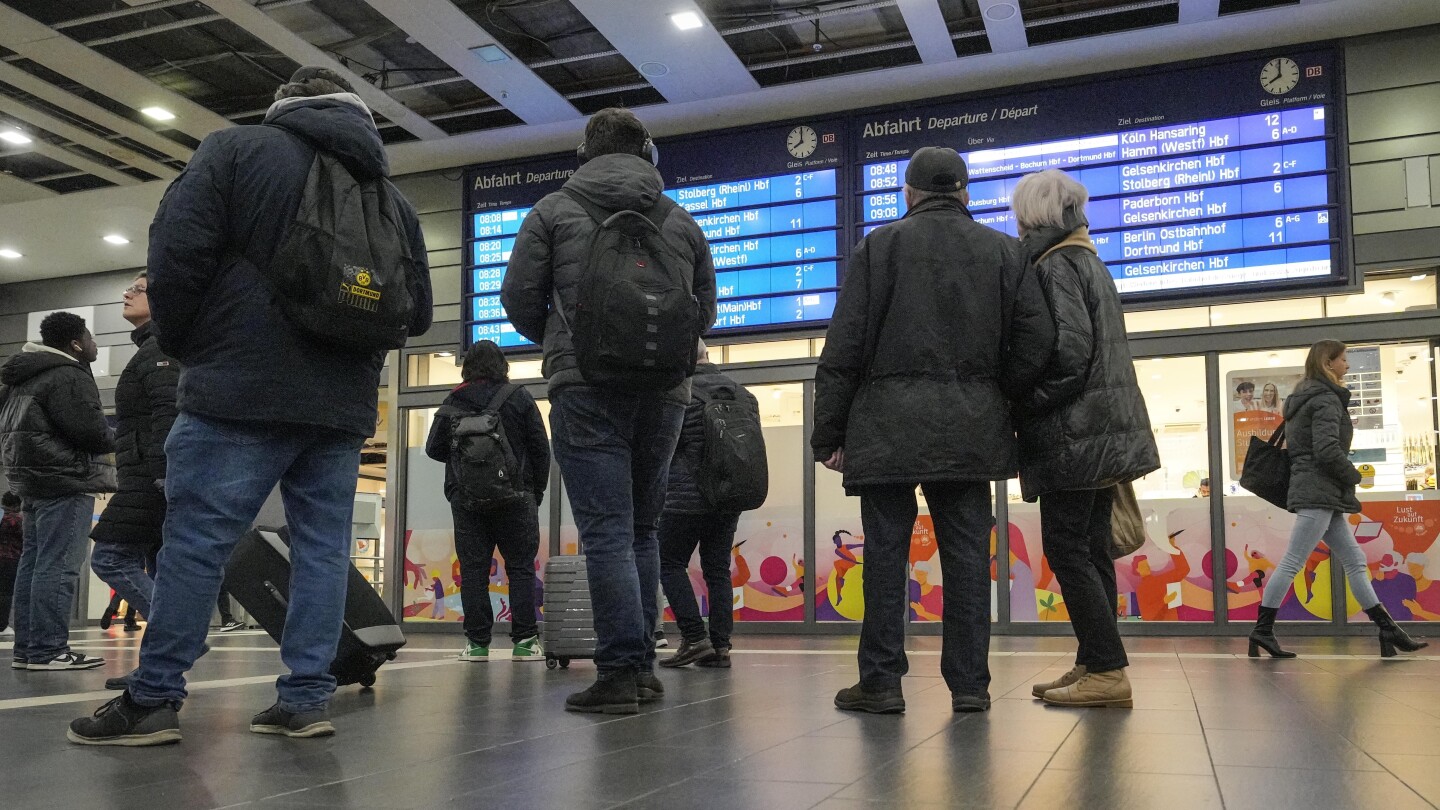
[1318, 434]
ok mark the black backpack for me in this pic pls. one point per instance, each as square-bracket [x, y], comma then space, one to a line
[636, 317]
[734, 473]
[482, 462]
[341, 273]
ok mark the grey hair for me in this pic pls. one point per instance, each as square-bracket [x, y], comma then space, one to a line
[1041, 199]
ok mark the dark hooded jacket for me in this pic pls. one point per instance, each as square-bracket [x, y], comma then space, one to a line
[1318, 433]
[1085, 425]
[524, 430]
[144, 412]
[553, 247]
[682, 494]
[221, 221]
[940, 324]
[53, 437]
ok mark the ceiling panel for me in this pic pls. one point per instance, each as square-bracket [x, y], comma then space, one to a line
[1049, 21]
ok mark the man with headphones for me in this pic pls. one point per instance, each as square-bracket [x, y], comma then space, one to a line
[619, 338]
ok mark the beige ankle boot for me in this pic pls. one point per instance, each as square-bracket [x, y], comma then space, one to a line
[1075, 674]
[1094, 689]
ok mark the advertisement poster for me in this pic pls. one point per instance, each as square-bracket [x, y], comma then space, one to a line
[1256, 406]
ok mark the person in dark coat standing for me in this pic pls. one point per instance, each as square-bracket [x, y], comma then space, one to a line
[54, 446]
[940, 324]
[513, 528]
[689, 521]
[1318, 433]
[261, 402]
[127, 535]
[1083, 430]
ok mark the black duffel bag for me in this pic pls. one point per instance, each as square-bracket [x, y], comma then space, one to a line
[1267, 468]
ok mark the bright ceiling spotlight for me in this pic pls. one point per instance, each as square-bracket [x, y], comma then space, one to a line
[686, 20]
[158, 113]
[116, 239]
[14, 136]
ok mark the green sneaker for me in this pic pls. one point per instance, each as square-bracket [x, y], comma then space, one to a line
[528, 650]
[475, 653]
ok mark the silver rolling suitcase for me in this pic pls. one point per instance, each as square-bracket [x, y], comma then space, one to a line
[569, 619]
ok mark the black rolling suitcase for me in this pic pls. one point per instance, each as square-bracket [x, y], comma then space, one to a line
[258, 575]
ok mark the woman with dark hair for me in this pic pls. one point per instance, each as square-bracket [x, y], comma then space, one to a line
[484, 523]
[1322, 492]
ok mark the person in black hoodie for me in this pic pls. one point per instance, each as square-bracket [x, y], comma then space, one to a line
[52, 436]
[261, 402]
[127, 535]
[1318, 433]
[514, 528]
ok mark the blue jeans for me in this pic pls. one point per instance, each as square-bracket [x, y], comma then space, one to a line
[1310, 526]
[122, 567]
[57, 532]
[614, 453]
[219, 474]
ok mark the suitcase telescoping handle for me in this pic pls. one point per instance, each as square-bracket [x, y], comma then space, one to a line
[285, 603]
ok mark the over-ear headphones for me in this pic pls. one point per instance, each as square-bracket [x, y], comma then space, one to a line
[648, 150]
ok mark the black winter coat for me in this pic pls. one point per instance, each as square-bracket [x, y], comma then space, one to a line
[53, 435]
[144, 410]
[1085, 425]
[682, 494]
[524, 429]
[553, 247]
[220, 221]
[939, 325]
[1318, 433]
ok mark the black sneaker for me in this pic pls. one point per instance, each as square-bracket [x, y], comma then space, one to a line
[67, 660]
[613, 692]
[132, 627]
[648, 688]
[122, 721]
[122, 682]
[875, 701]
[276, 720]
[720, 659]
[969, 703]
[689, 653]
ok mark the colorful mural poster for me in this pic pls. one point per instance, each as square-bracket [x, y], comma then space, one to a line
[433, 581]
[1256, 406]
[1401, 540]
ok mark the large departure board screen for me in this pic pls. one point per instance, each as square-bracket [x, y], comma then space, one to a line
[1202, 180]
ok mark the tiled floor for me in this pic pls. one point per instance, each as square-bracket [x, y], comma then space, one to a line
[1336, 728]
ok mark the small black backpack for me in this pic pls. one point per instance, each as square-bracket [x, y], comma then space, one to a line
[341, 273]
[636, 315]
[482, 462]
[734, 472]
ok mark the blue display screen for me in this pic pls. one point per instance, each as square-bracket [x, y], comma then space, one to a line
[1227, 192]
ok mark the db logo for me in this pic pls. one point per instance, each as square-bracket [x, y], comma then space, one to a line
[1314, 72]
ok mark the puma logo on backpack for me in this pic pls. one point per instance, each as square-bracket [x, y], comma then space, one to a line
[636, 316]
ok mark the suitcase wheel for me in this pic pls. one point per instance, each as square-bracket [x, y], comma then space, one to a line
[367, 681]
[551, 663]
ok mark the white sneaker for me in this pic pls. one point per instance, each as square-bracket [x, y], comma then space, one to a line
[231, 626]
[68, 660]
[528, 650]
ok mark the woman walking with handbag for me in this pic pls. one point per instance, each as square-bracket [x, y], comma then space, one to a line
[1322, 492]
[1083, 431]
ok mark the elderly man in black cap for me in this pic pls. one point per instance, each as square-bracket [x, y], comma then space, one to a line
[940, 325]
[263, 400]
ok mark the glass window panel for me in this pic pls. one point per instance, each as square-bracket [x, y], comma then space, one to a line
[432, 569]
[1165, 579]
[927, 581]
[435, 368]
[839, 551]
[1381, 296]
[768, 563]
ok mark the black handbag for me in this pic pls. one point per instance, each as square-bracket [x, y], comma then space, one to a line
[1267, 468]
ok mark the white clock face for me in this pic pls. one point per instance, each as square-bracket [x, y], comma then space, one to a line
[1279, 76]
[801, 142]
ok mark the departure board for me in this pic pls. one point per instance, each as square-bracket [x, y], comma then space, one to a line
[1232, 184]
[769, 201]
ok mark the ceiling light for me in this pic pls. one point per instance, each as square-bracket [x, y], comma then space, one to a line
[1000, 12]
[14, 136]
[1157, 377]
[1274, 360]
[116, 239]
[10, 254]
[1420, 277]
[777, 394]
[158, 113]
[490, 53]
[1387, 298]
[686, 20]
[444, 354]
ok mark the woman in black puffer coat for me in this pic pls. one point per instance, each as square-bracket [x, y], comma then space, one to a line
[1083, 430]
[127, 535]
[1322, 492]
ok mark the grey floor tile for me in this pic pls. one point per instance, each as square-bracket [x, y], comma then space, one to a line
[1104, 789]
[1096, 748]
[1269, 788]
[826, 760]
[726, 794]
[931, 777]
[1420, 773]
[1284, 749]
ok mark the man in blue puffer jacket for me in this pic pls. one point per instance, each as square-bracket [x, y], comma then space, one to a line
[260, 403]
